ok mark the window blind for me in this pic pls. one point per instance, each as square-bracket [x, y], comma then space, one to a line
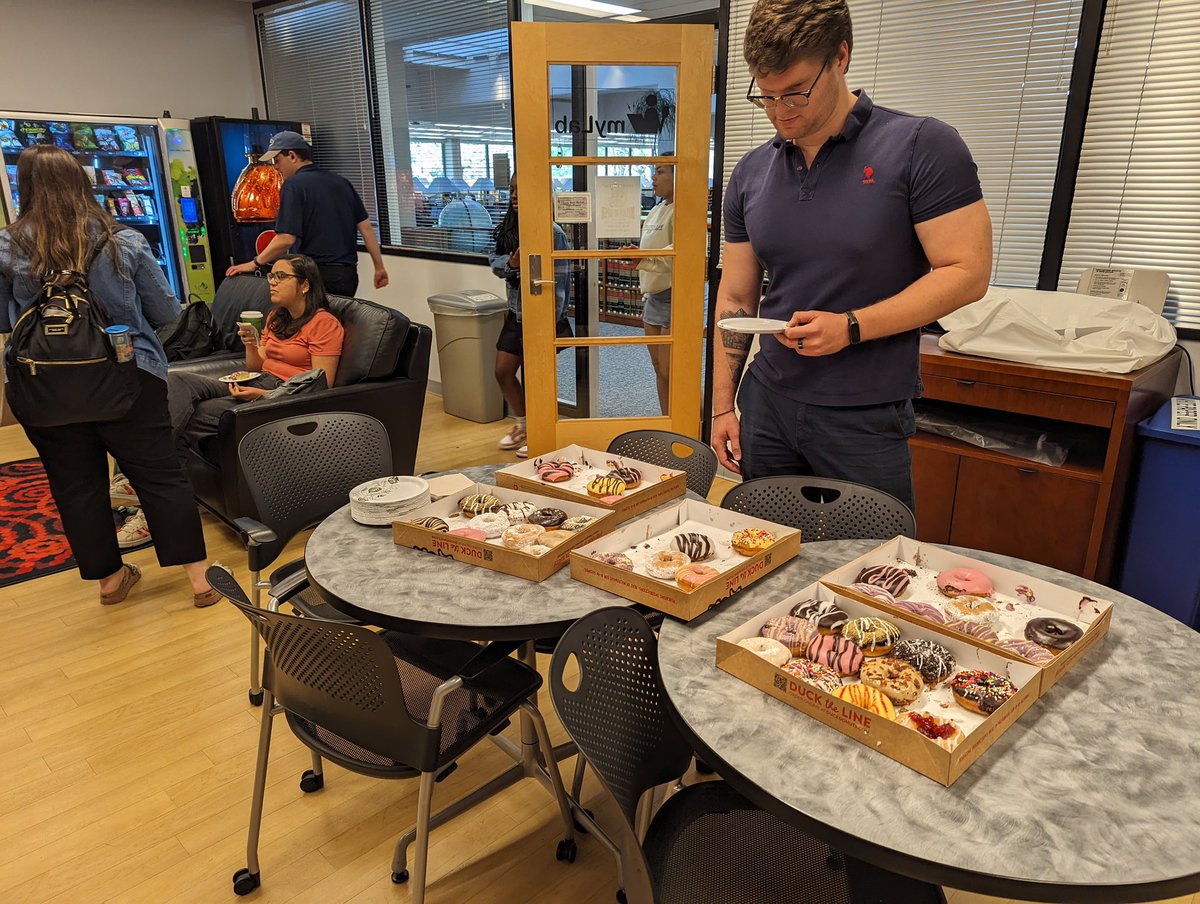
[1137, 195]
[313, 66]
[996, 70]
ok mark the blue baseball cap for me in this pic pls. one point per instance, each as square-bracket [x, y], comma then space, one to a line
[284, 141]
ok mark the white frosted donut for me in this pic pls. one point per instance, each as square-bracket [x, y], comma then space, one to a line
[492, 524]
[771, 650]
[520, 536]
[664, 564]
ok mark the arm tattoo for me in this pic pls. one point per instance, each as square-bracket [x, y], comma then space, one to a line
[737, 346]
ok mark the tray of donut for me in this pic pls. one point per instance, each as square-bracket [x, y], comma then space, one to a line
[931, 702]
[523, 534]
[1009, 613]
[683, 559]
[620, 484]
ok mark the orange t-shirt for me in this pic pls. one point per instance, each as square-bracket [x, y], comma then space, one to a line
[284, 358]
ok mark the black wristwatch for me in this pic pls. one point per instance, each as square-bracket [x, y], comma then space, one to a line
[855, 336]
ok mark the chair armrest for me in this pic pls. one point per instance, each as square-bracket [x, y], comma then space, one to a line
[211, 366]
[289, 586]
[493, 654]
[254, 533]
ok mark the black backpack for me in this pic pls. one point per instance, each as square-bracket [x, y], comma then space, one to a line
[61, 367]
[193, 335]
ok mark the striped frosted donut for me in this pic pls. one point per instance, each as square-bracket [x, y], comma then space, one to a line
[631, 476]
[839, 654]
[892, 579]
[827, 616]
[696, 547]
[978, 630]
[555, 471]
[927, 611]
[872, 699]
[605, 486]
[478, 503]
[517, 512]
[432, 523]
[875, 593]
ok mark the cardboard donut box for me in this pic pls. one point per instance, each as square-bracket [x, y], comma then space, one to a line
[890, 738]
[493, 554]
[668, 597]
[659, 485]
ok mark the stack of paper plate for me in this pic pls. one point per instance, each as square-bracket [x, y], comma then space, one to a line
[387, 499]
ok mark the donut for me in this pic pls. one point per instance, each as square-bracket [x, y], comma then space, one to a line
[978, 630]
[971, 609]
[689, 577]
[963, 582]
[1028, 650]
[870, 591]
[578, 523]
[927, 611]
[874, 636]
[872, 699]
[615, 559]
[750, 540]
[536, 549]
[819, 676]
[931, 659]
[1055, 633]
[610, 500]
[519, 536]
[600, 487]
[828, 617]
[665, 563]
[469, 532]
[517, 512]
[477, 504]
[548, 517]
[771, 650]
[942, 732]
[493, 524]
[432, 523]
[899, 681]
[555, 471]
[839, 654]
[892, 579]
[554, 537]
[981, 692]
[631, 477]
[794, 633]
[696, 547]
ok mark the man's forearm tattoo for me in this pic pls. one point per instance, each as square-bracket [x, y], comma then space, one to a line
[735, 342]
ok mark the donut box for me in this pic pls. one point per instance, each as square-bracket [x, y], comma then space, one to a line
[882, 734]
[657, 486]
[1016, 599]
[639, 540]
[493, 554]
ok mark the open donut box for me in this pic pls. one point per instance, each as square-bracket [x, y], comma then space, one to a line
[493, 554]
[1092, 615]
[658, 485]
[894, 740]
[656, 529]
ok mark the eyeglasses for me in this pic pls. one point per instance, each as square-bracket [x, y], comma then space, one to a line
[791, 100]
[274, 276]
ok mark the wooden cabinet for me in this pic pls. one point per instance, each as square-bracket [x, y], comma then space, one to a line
[1066, 517]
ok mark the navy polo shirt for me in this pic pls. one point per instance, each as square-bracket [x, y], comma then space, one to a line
[840, 236]
[322, 210]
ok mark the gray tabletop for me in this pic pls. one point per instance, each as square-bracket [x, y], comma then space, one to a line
[1092, 795]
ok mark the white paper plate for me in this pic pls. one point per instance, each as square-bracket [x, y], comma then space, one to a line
[757, 325]
[241, 376]
[390, 490]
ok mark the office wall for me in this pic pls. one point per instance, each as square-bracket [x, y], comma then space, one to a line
[130, 57]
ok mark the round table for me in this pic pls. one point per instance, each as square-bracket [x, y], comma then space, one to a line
[1092, 795]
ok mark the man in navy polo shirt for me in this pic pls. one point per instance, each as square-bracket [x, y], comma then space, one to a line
[868, 223]
[319, 212]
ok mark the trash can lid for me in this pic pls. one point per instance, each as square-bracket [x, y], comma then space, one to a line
[477, 302]
[1159, 425]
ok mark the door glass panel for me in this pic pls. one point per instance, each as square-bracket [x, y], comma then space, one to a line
[613, 380]
[614, 110]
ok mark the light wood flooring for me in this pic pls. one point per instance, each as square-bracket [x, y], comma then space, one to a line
[127, 754]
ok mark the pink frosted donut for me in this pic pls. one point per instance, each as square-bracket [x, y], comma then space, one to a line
[875, 593]
[964, 582]
[927, 611]
[469, 532]
[554, 471]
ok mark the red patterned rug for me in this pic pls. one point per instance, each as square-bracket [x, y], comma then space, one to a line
[32, 543]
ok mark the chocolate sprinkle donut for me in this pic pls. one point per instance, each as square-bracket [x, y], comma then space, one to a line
[932, 660]
[548, 517]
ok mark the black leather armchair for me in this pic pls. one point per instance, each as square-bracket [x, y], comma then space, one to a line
[383, 372]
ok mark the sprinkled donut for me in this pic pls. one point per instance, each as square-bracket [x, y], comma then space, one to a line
[600, 487]
[794, 633]
[520, 536]
[478, 503]
[665, 563]
[1055, 633]
[548, 517]
[829, 617]
[981, 692]
[899, 681]
[931, 659]
[432, 523]
[836, 652]
[819, 676]
[892, 579]
[874, 636]
[631, 477]
[696, 547]
[964, 582]
[493, 524]
[750, 540]
[872, 699]
[556, 471]
[771, 650]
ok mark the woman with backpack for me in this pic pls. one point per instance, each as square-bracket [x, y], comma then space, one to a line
[63, 244]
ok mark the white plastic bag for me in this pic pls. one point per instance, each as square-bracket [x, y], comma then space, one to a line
[1059, 329]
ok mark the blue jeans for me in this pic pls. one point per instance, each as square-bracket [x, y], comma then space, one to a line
[864, 444]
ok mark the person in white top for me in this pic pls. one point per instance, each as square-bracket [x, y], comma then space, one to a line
[654, 277]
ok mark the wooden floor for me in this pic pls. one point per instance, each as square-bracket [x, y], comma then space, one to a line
[127, 749]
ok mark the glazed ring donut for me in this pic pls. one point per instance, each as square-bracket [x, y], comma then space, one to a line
[519, 536]
[981, 692]
[548, 517]
[1055, 633]
[971, 609]
[665, 563]
[493, 524]
[874, 636]
[478, 503]
[771, 650]
[689, 577]
[794, 633]
[964, 582]
[554, 537]
[751, 540]
[899, 681]
[554, 471]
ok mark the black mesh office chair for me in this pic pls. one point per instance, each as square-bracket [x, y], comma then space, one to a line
[707, 843]
[823, 509]
[656, 447]
[386, 705]
[300, 471]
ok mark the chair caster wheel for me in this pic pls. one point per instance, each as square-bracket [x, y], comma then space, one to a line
[256, 698]
[566, 850]
[579, 826]
[400, 878]
[244, 882]
[621, 899]
[310, 782]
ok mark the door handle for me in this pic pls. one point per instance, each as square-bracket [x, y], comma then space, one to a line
[1027, 470]
[535, 275]
[965, 382]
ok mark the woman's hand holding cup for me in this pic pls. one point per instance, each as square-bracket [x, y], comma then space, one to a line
[250, 324]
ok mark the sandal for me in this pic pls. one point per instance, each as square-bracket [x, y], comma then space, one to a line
[134, 532]
[131, 574]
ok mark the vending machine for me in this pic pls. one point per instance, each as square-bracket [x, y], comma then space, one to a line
[189, 210]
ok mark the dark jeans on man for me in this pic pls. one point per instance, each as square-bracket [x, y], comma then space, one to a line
[74, 456]
[197, 403]
[863, 444]
[339, 279]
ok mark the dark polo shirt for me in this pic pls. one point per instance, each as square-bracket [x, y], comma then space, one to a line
[839, 236]
[321, 209]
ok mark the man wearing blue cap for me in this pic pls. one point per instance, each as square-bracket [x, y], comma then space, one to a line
[319, 212]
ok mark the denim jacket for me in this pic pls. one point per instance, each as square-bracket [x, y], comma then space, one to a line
[512, 276]
[143, 300]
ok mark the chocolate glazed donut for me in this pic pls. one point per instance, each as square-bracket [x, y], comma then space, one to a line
[548, 517]
[1055, 633]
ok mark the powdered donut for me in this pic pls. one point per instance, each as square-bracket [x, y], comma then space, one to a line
[665, 563]
[771, 650]
[964, 582]
[819, 676]
[696, 547]
[519, 536]
[554, 537]
[493, 524]
[794, 633]
[689, 577]
[892, 579]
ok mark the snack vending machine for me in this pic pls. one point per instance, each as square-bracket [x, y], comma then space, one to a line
[125, 160]
[189, 210]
